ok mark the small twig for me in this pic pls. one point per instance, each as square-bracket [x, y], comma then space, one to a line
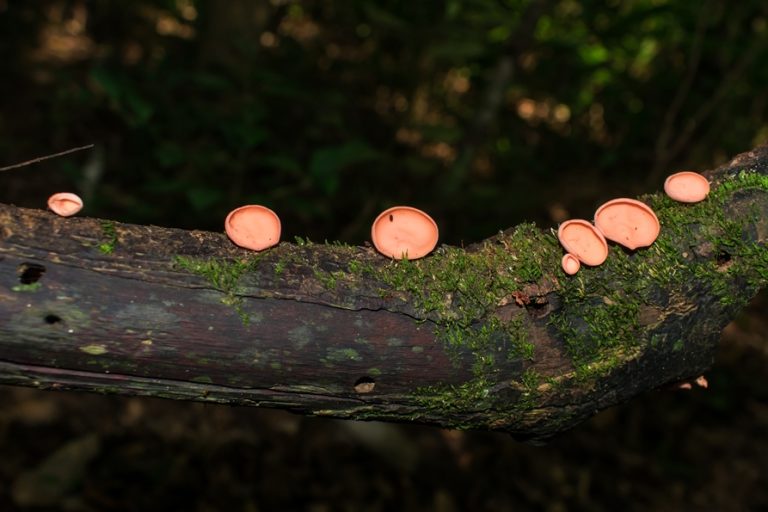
[41, 158]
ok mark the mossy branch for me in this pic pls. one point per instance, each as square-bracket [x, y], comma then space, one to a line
[494, 336]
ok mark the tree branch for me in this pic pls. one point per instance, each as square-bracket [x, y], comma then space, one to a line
[494, 336]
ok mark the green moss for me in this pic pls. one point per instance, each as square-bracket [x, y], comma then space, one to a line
[94, 350]
[31, 287]
[302, 242]
[455, 287]
[743, 180]
[588, 327]
[469, 396]
[286, 255]
[530, 380]
[343, 354]
[327, 279]
[519, 345]
[223, 275]
[110, 234]
[601, 307]
[355, 267]
[600, 312]
[734, 254]
[529, 388]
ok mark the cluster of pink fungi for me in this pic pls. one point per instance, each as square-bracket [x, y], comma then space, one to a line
[627, 222]
[398, 232]
[406, 232]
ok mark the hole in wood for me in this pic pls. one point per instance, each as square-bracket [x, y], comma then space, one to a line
[724, 261]
[30, 272]
[364, 385]
[723, 258]
[52, 319]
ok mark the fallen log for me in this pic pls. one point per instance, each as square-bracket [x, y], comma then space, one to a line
[492, 336]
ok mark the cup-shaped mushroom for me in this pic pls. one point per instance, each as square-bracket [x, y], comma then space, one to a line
[404, 232]
[570, 263]
[628, 222]
[253, 226]
[583, 240]
[687, 187]
[65, 204]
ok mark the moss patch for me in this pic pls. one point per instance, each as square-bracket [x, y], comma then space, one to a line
[109, 233]
[31, 287]
[94, 350]
[455, 287]
[224, 275]
[604, 311]
[600, 316]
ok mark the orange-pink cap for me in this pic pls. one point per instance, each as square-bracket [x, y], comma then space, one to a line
[570, 263]
[628, 222]
[687, 187]
[584, 241]
[65, 204]
[404, 232]
[253, 226]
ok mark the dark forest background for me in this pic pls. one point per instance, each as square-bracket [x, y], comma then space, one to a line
[484, 113]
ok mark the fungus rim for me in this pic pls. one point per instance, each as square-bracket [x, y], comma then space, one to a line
[570, 264]
[571, 246]
[65, 204]
[244, 236]
[609, 227]
[425, 230]
[695, 188]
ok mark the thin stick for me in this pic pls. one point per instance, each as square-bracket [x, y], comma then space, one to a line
[40, 159]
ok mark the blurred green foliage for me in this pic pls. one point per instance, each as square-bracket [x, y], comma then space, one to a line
[484, 112]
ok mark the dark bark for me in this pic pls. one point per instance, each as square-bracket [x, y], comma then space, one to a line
[494, 336]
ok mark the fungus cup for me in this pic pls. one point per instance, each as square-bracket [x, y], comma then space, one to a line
[570, 263]
[583, 241]
[404, 232]
[687, 187]
[65, 204]
[253, 227]
[628, 222]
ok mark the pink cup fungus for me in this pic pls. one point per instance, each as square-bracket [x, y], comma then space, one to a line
[628, 222]
[253, 227]
[583, 241]
[687, 187]
[65, 204]
[404, 232]
[571, 264]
